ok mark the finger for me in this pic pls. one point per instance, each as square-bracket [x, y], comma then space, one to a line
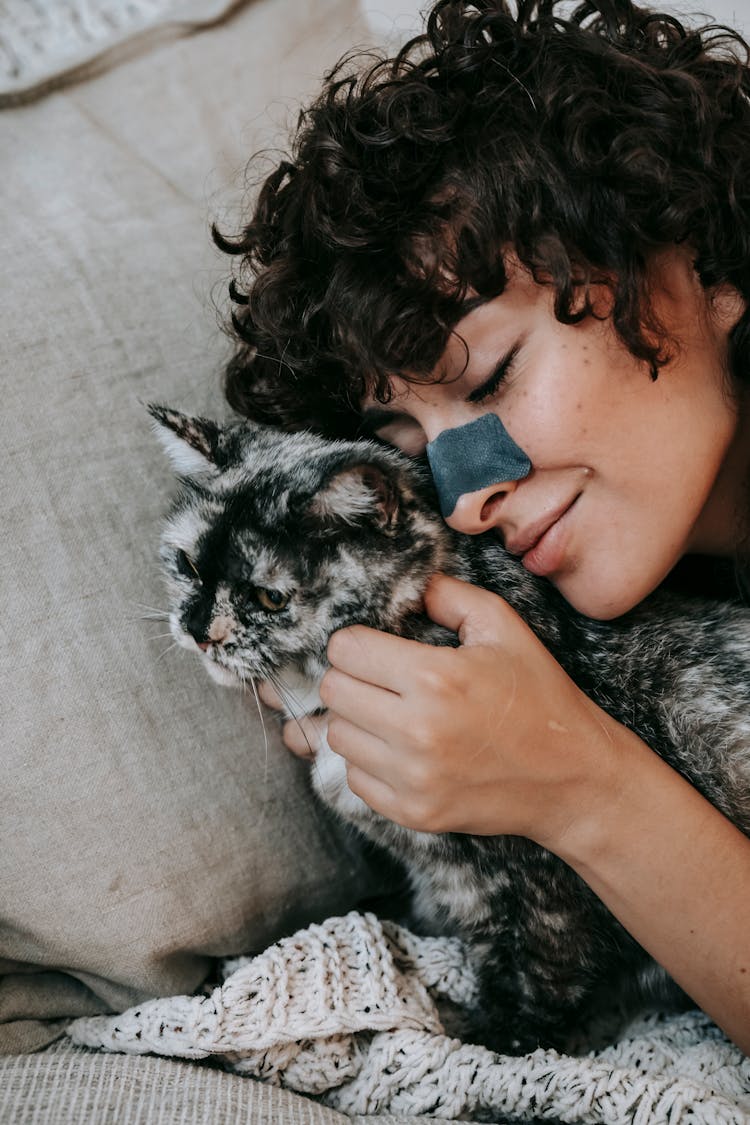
[269, 695]
[303, 736]
[375, 657]
[378, 794]
[359, 747]
[478, 616]
[371, 708]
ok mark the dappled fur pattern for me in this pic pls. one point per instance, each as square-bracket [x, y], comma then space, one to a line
[275, 540]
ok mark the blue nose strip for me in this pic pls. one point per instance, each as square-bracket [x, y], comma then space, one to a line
[474, 456]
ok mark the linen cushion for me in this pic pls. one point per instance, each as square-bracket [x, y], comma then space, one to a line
[65, 1083]
[145, 826]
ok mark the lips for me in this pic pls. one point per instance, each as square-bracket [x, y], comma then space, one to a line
[528, 538]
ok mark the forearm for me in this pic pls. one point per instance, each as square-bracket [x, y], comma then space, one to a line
[675, 872]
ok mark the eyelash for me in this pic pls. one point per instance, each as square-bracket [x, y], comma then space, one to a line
[498, 376]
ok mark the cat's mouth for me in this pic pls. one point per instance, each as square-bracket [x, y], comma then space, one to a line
[223, 667]
[219, 662]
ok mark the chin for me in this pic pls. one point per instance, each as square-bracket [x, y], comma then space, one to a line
[221, 675]
[600, 604]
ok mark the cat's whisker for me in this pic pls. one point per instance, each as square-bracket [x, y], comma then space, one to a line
[166, 650]
[149, 617]
[286, 693]
[159, 636]
[154, 608]
[263, 725]
[152, 612]
[296, 713]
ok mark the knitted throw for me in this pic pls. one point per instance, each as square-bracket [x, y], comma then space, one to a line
[347, 1011]
[44, 43]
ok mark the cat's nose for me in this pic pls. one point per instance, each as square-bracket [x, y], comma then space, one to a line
[218, 633]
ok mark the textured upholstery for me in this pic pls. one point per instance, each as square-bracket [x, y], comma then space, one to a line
[145, 825]
[66, 1084]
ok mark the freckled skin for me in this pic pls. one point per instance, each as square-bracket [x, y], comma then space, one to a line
[675, 672]
[661, 456]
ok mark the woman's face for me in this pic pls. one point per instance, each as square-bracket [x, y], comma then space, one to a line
[627, 474]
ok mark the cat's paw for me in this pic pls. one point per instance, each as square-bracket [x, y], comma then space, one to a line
[330, 781]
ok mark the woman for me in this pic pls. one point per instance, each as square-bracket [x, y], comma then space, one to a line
[546, 220]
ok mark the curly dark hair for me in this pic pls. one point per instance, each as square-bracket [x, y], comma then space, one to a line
[584, 144]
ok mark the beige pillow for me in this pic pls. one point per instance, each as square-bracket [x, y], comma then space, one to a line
[144, 826]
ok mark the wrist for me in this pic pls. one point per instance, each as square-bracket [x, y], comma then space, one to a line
[617, 771]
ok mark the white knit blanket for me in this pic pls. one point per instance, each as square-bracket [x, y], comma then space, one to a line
[45, 42]
[347, 1011]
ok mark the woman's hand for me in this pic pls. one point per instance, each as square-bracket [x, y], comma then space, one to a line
[490, 738]
[495, 738]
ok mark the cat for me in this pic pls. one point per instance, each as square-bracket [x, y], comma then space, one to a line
[277, 539]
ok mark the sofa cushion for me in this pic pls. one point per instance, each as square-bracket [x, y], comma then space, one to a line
[146, 826]
[65, 1083]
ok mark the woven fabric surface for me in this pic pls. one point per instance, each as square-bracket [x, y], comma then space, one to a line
[65, 1084]
[348, 1011]
[43, 43]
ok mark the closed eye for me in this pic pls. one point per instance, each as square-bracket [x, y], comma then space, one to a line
[491, 385]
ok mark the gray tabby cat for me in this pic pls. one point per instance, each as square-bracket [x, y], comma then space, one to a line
[275, 540]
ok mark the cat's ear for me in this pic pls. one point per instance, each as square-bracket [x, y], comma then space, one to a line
[192, 444]
[358, 494]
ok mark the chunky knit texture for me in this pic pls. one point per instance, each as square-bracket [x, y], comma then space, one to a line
[348, 1011]
[42, 43]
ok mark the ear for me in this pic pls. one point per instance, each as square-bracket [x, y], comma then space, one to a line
[358, 494]
[728, 306]
[192, 444]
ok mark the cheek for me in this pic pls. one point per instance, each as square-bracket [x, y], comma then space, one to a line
[552, 430]
[612, 568]
[556, 407]
[183, 639]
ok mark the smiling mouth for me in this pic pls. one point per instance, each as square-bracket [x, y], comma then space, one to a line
[522, 544]
[547, 555]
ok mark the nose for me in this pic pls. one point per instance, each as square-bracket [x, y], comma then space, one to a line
[479, 511]
[205, 627]
[196, 620]
[474, 466]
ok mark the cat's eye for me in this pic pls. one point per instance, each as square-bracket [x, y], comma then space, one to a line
[186, 566]
[272, 600]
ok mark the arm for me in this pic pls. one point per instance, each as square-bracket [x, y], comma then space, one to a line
[494, 738]
[675, 872]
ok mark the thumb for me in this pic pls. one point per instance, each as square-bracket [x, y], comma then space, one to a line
[477, 615]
